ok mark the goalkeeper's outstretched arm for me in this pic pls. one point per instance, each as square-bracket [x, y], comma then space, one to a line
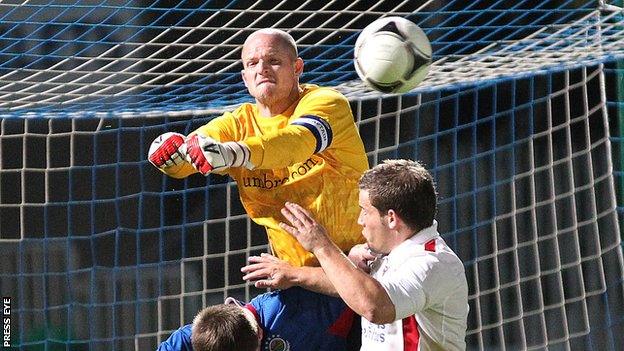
[321, 121]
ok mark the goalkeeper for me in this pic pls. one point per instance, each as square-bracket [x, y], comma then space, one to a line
[298, 142]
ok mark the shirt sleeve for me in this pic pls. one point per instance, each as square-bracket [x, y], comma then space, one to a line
[180, 340]
[409, 288]
[222, 128]
[319, 120]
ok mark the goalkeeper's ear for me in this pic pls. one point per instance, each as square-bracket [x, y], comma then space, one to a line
[298, 67]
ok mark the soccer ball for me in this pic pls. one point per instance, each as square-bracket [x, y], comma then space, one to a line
[392, 55]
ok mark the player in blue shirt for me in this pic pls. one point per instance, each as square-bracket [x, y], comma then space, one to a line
[291, 319]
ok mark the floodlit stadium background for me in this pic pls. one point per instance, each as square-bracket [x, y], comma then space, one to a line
[519, 121]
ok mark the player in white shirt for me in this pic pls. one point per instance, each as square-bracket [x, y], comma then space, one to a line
[416, 295]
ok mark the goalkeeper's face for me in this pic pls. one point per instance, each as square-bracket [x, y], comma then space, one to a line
[271, 69]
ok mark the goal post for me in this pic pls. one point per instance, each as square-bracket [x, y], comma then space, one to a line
[519, 121]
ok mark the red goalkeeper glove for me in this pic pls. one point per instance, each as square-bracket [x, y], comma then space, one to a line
[167, 150]
[207, 154]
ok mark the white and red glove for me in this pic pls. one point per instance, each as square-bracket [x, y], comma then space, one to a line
[207, 154]
[167, 150]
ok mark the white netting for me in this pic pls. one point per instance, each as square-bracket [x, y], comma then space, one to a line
[518, 120]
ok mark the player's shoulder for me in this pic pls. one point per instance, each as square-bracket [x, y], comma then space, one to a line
[423, 262]
[416, 253]
[242, 110]
[235, 119]
[179, 340]
[312, 91]
[291, 298]
[299, 293]
[279, 296]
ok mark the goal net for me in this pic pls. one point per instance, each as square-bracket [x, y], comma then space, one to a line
[519, 120]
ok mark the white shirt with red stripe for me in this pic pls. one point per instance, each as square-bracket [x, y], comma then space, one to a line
[427, 285]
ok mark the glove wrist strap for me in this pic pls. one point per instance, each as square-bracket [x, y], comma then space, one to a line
[237, 154]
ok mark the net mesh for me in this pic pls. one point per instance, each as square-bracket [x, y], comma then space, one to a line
[519, 121]
[132, 58]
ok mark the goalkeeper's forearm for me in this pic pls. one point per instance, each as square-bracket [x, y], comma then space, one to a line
[280, 149]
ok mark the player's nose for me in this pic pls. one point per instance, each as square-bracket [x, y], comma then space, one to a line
[360, 220]
[262, 67]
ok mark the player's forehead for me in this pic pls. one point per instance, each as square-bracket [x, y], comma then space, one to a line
[266, 45]
[364, 199]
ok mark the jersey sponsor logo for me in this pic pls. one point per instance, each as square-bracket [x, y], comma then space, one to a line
[374, 332]
[270, 182]
[319, 127]
[276, 343]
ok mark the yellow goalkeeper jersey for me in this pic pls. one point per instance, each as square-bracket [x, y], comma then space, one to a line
[312, 154]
